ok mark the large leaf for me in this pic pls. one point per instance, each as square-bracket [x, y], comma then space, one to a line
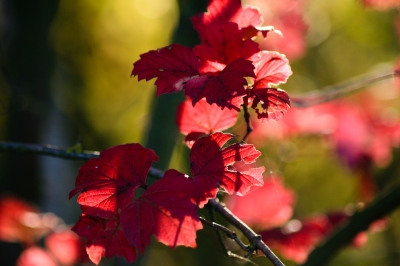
[167, 209]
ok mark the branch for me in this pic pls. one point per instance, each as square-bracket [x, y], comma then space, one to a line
[85, 155]
[48, 150]
[329, 93]
[247, 231]
[360, 221]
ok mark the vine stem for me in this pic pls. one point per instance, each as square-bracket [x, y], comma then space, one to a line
[330, 93]
[219, 207]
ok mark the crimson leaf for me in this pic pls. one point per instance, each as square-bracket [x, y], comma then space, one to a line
[227, 10]
[166, 210]
[212, 166]
[108, 183]
[226, 89]
[172, 66]
[104, 238]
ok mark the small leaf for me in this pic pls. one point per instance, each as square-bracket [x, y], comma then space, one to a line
[104, 238]
[212, 166]
[172, 66]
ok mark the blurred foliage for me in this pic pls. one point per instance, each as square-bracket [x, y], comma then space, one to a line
[96, 42]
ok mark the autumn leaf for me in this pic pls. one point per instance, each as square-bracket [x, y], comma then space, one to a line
[108, 183]
[222, 44]
[203, 118]
[104, 238]
[226, 89]
[172, 66]
[227, 10]
[272, 68]
[212, 166]
[166, 209]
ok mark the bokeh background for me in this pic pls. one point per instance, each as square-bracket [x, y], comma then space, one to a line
[66, 78]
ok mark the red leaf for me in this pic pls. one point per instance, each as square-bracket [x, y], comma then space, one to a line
[226, 89]
[204, 118]
[268, 206]
[166, 210]
[212, 166]
[104, 238]
[227, 10]
[108, 183]
[275, 103]
[222, 44]
[172, 66]
[272, 68]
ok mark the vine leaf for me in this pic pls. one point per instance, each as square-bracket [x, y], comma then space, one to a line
[104, 237]
[108, 183]
[213, 166]
[172, 66]
[166, 209]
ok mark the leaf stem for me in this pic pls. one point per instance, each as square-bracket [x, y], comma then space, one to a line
[246, 115]
[330, 93]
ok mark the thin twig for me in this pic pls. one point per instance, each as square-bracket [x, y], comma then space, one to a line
[254, 238]
[85, 155]
[230, 234]
[330, 93]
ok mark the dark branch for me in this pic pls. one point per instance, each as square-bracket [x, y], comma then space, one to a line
[359, 222]
[247, 231]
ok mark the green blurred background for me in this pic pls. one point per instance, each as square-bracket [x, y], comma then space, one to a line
[66, 76]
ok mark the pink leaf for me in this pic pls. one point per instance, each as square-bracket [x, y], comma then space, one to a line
[204, 118]
[268, 206]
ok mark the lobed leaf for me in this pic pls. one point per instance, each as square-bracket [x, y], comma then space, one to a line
[167, 209]
[172, 66]
[212, 166]
[104, 238]
[108, 183]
